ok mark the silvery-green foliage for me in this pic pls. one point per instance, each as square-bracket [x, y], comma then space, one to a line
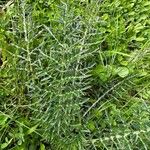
[53, 59]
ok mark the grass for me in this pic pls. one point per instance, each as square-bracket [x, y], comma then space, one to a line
[75, 75]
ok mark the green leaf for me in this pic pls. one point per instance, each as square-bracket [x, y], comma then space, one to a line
[123, 71]
[124, 63]
[143, 73]
[103, 72]
[4, 145]
[139, 39]
[19, 142]
[146, 3]
[105, 16]
[3, 120]
[91, 125]
[119, 53]
[31, 130]
[42, 147]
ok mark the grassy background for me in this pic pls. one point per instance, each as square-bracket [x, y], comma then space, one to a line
[75, 75]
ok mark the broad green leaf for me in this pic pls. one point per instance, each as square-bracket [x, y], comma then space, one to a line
[123, 71]
[139, 39]
[124, 63]
[103, 72]
[19, 142]
[42, 147]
